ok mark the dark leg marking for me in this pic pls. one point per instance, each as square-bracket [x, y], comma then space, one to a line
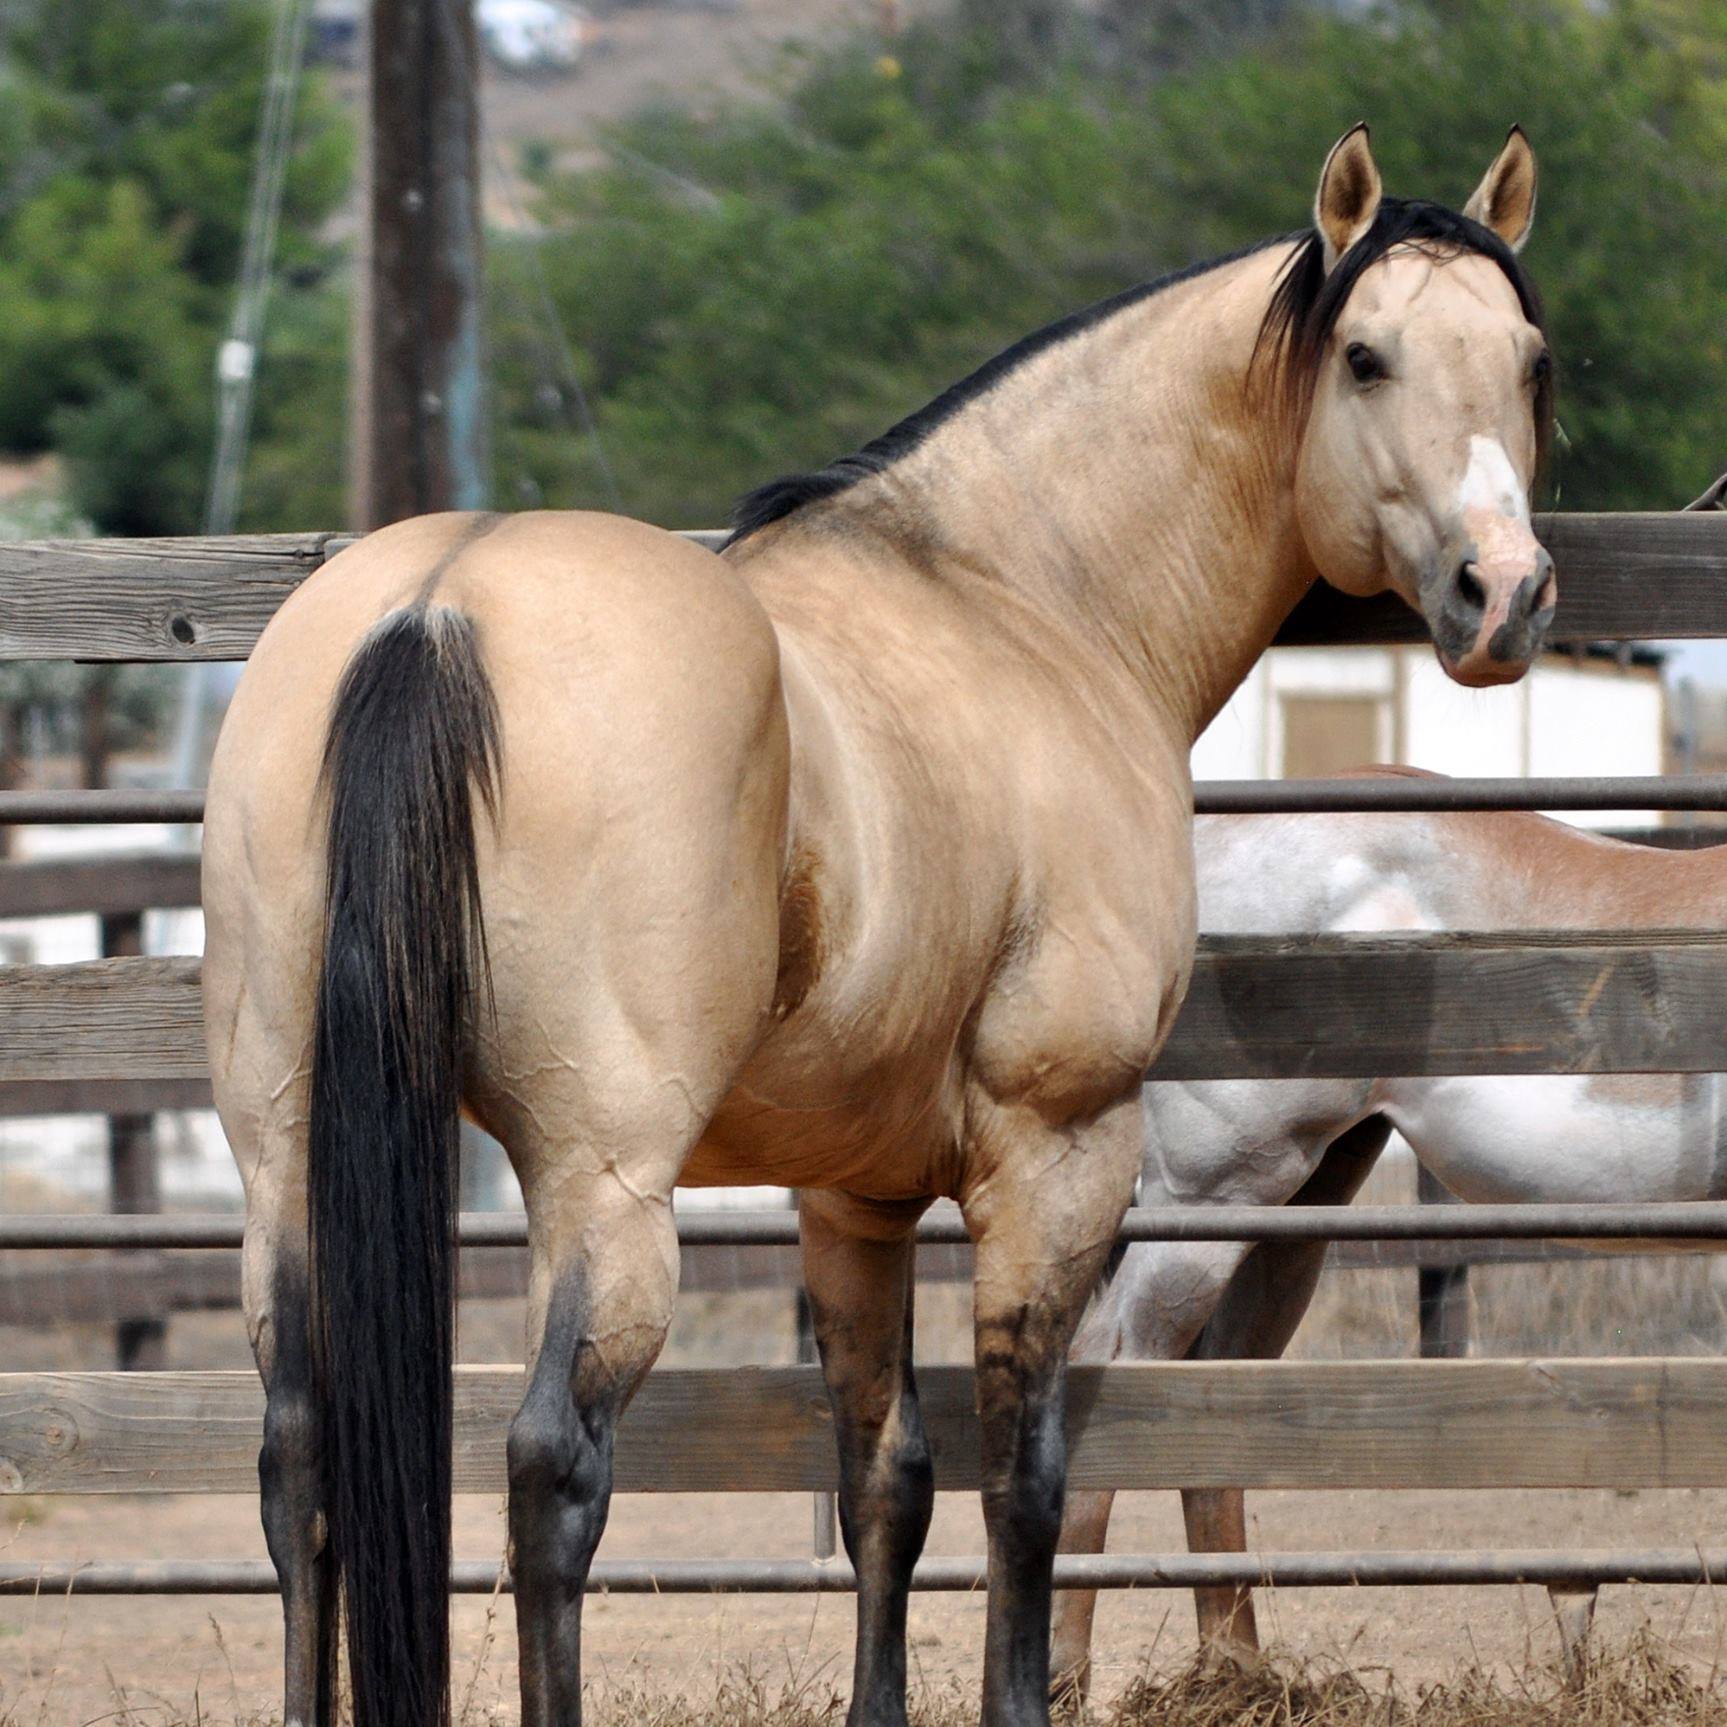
[858, 1270]
[288, 1479]
[1021, 1384]
[887, 1496]
[560, 1470]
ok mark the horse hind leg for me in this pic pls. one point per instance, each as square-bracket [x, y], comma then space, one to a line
[598, 1155]
[275, 1289]
[1084, 1529]
[1215, 1519]
[1258, 1314]
[601, 1289]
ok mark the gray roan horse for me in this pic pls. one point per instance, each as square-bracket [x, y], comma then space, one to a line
[1557, 1138]
[857, 860]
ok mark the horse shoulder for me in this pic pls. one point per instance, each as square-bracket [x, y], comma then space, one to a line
[1096, 958]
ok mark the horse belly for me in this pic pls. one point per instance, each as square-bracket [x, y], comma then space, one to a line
[1563, 1139]
[807, 1112]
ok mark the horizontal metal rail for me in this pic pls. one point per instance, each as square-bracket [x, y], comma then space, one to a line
[1389, 1569]
[1702, 1220]
[1210, 797]
[1396, 792]
[95, 808]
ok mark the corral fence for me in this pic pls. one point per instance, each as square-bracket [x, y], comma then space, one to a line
[122, 1035]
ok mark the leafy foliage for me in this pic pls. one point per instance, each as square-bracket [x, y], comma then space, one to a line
[125, 160]
[767, 285]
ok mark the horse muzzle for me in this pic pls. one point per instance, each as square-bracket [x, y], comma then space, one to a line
[1490, 615]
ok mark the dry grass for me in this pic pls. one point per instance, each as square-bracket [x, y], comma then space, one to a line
[1640, 1684]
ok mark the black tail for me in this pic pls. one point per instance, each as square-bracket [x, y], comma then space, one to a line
[413, 734]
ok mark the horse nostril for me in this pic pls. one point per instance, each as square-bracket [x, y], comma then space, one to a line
[1470, 587]
[1547, 590]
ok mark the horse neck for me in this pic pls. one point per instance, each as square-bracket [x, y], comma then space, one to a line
[1125, 485]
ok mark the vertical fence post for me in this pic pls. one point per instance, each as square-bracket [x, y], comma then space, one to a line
[421, 407]
[134, 1185]
[1442, 1291]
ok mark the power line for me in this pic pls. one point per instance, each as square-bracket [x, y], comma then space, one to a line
[554, 338]
[237, 357]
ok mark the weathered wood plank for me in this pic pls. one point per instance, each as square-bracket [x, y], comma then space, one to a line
[113, 885]
[102, 1019]
[1622, 577]
[1626, 576]
[101, 1096]
[167, 599]
[1259, 1007]
[1541, 1001]
[48, 1289]
[1378, 1424]
[38, 1289]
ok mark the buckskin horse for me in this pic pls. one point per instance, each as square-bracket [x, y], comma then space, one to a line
[856, 859]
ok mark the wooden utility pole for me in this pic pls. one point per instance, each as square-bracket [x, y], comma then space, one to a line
[419, 419]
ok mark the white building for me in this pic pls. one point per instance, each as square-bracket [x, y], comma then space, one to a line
[1308, 711]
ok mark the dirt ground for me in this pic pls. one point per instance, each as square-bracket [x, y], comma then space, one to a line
[78, 1661]
[82, 1660]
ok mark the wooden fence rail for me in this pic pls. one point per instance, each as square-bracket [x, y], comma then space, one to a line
[1261, 1007]
[1289, 1424]
[1623, 577]
[111, 1289]
[1367, 1006]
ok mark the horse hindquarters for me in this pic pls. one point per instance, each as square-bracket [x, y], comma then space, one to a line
[632, 912]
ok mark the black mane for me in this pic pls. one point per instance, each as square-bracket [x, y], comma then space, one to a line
[1293, 337]
[779, 498]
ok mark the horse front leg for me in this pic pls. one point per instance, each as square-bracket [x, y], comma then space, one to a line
[601, 1289]
[1084, 1529]
[858, 1264]
[1044, 1207]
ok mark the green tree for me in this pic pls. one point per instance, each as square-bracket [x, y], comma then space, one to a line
[125, 162]
[1626, 113]
[768, 285]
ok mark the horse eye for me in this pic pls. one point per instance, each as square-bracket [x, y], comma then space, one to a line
[1365, 366]
[1542, 370]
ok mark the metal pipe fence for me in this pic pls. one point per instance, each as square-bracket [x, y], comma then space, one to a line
[1210, 797]
[1366, 1568]
[1679, 1221]
[1689, 1220]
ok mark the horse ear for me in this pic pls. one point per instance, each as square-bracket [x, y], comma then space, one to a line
[1349, 193]
[1505, 199]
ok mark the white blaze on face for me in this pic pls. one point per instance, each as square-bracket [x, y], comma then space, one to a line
[1490, 483]
[1495, 511]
